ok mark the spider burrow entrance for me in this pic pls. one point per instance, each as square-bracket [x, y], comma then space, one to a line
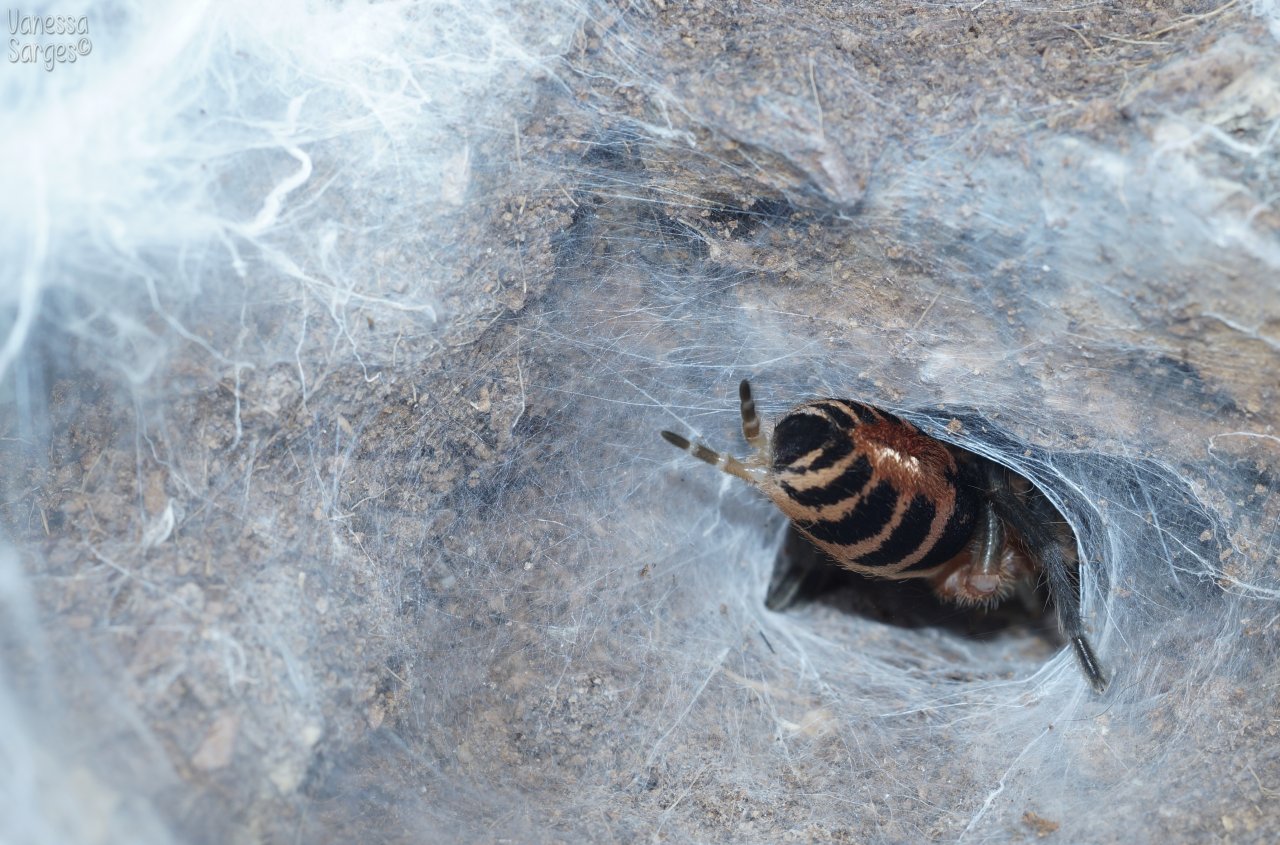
[884, 500]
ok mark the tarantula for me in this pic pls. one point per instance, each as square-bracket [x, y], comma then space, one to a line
[885, 500]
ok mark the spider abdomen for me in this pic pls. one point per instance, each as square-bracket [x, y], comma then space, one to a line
[885, 500]
[870, 489]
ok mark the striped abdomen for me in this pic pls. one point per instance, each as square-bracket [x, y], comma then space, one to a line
[870, 490]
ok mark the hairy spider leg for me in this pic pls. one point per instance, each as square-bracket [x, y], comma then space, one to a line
[988, 562]
[983, 577]
[1031, 517]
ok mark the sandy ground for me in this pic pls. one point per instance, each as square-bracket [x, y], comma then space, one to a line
[450, 586]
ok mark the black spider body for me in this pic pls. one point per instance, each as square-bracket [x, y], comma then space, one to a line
[883, 499]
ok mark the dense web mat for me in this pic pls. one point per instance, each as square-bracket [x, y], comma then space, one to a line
[336, 343]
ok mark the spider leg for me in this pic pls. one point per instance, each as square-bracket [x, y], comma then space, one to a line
[990, 548]
[1031, 517]
[987, 571]
[724, 463]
